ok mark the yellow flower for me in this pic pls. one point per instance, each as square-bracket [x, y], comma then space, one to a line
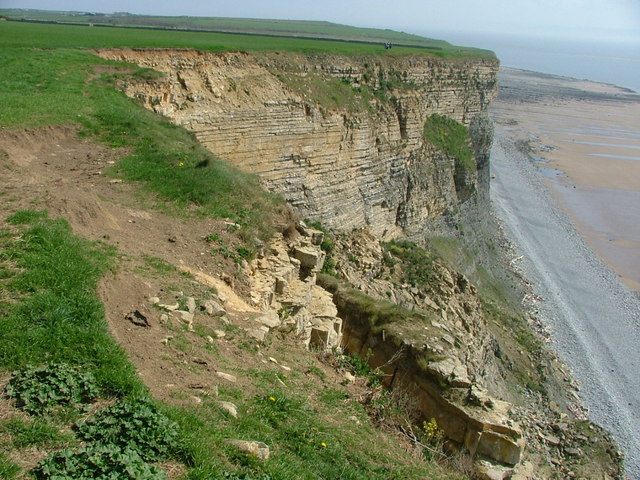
[181, 164]
[272, 399]
[323, 445]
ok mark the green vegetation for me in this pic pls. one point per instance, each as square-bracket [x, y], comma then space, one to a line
[303, 441]
[53, 335]
[171, 163]
[519, 344]
[37, 390]
[452, 138]
[43, 87]
[56, 317]
[18, 34]
[8, 469]
[361, 308]
[327, 246]
[98, 462]
[157, 265]
[329, 92]
[417, 263]
[52, 87]
[132, 425]
[33, 432]
[261, 34]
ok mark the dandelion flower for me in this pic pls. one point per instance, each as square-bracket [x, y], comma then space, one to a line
[323, 445]
[272, 399]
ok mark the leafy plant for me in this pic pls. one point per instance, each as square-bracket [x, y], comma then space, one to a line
[100, 462]
[246, 476]
[132, 425]
[37, 390]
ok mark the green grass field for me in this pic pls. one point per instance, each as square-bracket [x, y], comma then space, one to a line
[260, 35]
[298, 28]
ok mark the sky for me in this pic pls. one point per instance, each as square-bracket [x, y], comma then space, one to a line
[606, 20]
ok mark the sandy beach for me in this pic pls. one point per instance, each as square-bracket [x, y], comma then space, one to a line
[558, 203]
[586, 136]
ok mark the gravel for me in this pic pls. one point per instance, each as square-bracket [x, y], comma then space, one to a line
[594, 318]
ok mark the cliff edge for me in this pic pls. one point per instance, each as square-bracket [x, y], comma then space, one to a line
[341, 138]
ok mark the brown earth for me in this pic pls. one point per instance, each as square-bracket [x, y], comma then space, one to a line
[54, 169]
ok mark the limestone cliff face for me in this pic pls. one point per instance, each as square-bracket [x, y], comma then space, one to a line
[313, 130]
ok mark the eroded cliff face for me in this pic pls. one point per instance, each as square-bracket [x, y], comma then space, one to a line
[341, 138]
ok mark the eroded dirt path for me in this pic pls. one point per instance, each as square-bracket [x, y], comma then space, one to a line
[53, 169]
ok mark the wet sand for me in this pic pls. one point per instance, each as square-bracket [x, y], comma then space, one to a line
[586, 138]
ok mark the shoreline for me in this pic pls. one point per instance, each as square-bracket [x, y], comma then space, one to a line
[593, 317]
[585, 137]
[594, 320]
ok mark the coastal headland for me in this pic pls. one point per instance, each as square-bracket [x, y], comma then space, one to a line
[157, 177]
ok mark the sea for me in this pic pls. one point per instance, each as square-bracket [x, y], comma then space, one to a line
[616, 62]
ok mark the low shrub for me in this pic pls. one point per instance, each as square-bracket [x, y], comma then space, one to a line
[100, 462]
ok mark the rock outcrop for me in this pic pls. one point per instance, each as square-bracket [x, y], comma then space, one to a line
[283, 280]
[340, 137]
[434, 345]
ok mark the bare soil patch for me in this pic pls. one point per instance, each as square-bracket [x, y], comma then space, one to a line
[162, 256]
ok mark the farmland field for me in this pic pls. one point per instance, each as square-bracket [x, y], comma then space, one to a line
[213, 34]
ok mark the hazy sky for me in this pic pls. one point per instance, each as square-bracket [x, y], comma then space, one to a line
[603, 19]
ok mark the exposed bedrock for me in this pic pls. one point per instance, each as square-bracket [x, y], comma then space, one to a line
[341, 138]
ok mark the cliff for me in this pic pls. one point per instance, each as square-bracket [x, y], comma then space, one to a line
[379, 148]
[341, 138]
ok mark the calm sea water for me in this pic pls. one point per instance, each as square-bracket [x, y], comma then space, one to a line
[617, 63]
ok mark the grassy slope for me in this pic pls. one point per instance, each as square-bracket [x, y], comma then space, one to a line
[50, 87]
[48, 283]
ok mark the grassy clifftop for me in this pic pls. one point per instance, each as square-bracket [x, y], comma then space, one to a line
[220, 34]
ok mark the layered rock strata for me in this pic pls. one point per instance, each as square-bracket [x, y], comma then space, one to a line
[440, 356]
[283, 280]
[340, 137]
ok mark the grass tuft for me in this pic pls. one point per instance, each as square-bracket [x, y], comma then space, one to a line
[58, 317]
[452, 138]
